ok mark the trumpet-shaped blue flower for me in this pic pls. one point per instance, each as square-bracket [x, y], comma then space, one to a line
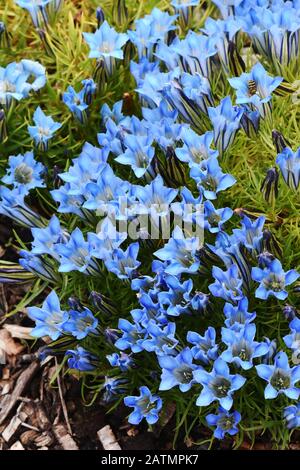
[281, 377]
[176, 300]
[177, 370]
[225, 422]
[226, 120]
[196, 147]
[37, 10]
[251, 233]
[210, 179]
[107, 189]
[12, 205]
[205, 348]
[138, 154]
[76, 103]
[106, 44]
[289, 164]
[241, 347]
[273, 280]
[112, 387]
[259, 93]
[238, 316]
[196, 51]
[146, 406]
[80, 324]
[45, 239]
[44, 129]
[124, 263]
[228, 284]
[218, 385]
[81, 359]
[133, 336]
[75, 255]
[123, 361]
[25, 172]
[89, 89]
[292, 416]
[215, 218]
[293, 339]
[49, 318]
[181, 253]
[162, 340]
[38, 265]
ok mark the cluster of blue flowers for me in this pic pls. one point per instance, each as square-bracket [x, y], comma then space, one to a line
[173, 154]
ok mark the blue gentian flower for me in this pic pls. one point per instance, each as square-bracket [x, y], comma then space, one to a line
[273, 280]
[106, 44]
[205, 348]
[238, 316]
[80, 324]
[176, 299]
[75, 255]
[89, 89]
[197, 89]
[222, 32]
[37, 10]
[25, 172]
[228, 284]
[210, 179]
[132, 338]
[272, 348]
[226, 120]
[123, 361]
[196, 147]
[124, 263]
[44, 129]
[260, 91]
[145, 406]
[227, 7]
[181, 254]
[138, 154]
[281, 377]
[225, 422]
[177, 370]
[45, 239]
[292, 416]
[76, 103]
[115, 113]
[149, 30]
[81, 359]
[38, 265]
[293, 339]
[155, 199]
[184, 7]
[106, 189]
[251, 233]
[196, 51]
[49, 318]
[12, 205]
[215, 218]
[218, 385]
[289, 164]
[241, 347]
[162, 340]
[113, 387]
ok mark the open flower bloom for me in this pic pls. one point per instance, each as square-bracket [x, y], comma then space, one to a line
[255, 88]
[218, 385]
[273, 280]
[225, 422]
[145, 406]
[281, 377]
